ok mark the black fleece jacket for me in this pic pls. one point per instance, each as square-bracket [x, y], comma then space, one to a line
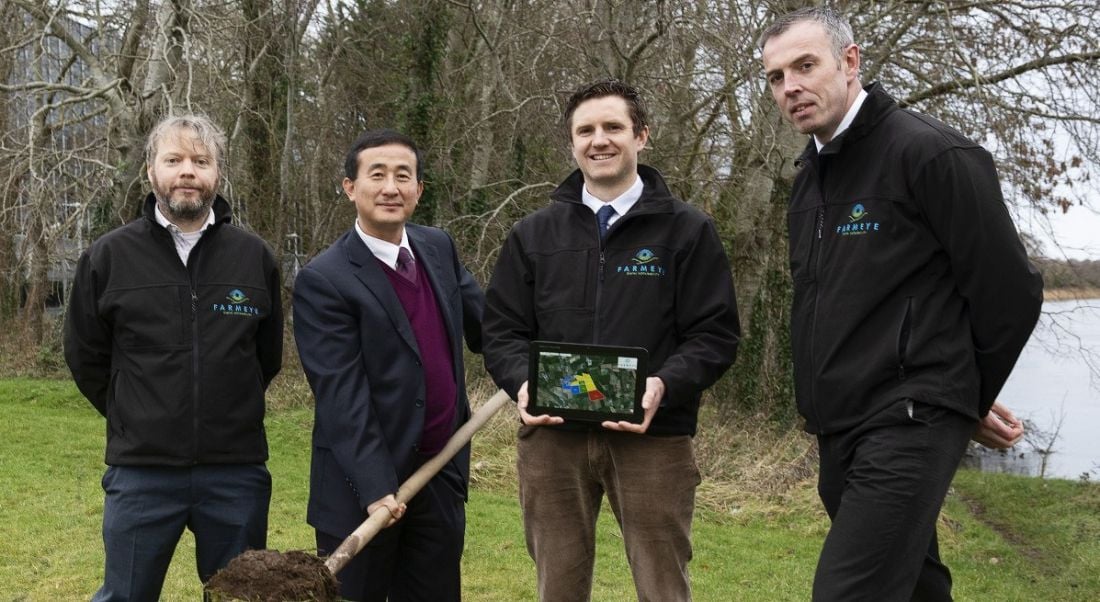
[177, 358]
[660, 280]
[910, 281]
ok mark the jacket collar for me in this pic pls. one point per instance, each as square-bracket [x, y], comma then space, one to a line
[656, 197]
[875, 108]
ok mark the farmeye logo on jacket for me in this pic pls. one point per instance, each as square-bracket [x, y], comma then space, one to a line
[238, 305]
[643, 263]
[857, 224]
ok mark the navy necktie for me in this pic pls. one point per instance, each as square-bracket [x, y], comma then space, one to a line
[603, 216]
[405, 265]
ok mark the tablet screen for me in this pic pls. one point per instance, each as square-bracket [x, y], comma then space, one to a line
[587, 382]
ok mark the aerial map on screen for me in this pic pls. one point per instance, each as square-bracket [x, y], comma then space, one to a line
[600, 383]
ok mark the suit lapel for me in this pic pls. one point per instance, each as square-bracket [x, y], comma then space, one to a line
[430, 259]
[366, 269]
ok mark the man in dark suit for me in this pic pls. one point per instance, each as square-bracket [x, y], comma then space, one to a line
[379, 319]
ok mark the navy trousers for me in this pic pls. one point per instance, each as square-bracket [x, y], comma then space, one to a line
[418, 559]
[147, 507]
[883, 484]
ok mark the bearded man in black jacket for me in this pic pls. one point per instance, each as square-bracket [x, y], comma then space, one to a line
[913, 297]
[173, 332]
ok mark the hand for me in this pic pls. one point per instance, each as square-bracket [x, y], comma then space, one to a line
[541, 419]
[389, 503]
[1000, 429]
[651, 400]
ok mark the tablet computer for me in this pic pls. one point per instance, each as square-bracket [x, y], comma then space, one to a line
[590, 383]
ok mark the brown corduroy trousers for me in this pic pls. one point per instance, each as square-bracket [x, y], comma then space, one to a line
[650, 484]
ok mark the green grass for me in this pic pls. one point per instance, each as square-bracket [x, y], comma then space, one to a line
[1005, 538]
[1042, 533]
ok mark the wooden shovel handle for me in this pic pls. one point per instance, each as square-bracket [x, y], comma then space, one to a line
[366, 531]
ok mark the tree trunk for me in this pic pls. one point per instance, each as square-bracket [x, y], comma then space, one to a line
[10, 277]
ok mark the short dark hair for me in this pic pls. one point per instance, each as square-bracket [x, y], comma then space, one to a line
[608, 87]
[834, 24]
[374, 138]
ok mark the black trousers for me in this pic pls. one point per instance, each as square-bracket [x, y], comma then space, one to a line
[146, 509]
[883, 484]
[418, 559]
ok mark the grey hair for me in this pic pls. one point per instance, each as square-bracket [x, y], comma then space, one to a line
[834, 24]
[210, 135]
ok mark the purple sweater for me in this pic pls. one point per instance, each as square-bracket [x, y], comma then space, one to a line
[430, 331]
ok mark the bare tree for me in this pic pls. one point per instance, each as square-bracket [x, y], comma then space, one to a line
[480, 83]
[1043, 439]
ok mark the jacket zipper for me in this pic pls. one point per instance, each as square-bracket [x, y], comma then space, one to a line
[195, 368]
[195, 373]
[815, 248]
[599, 285]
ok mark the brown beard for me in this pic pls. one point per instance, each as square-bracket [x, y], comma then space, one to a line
[186, 211]
[182, 210]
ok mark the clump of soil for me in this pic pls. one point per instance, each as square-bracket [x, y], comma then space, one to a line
[273, 576]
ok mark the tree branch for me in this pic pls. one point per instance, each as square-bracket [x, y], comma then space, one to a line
[58, 30]
[40, 86]
[948, 87]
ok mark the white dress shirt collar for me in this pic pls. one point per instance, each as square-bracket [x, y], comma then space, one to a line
[384, 250]
[621, 203]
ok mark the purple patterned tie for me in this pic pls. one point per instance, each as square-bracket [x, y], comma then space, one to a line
[405, 265]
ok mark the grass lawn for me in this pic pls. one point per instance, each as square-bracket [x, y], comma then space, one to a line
[1005, 538]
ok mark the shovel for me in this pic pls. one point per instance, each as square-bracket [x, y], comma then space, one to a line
[282, 576]
[354, 543]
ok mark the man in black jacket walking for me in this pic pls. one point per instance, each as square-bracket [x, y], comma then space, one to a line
[173, 332]
[913, 298]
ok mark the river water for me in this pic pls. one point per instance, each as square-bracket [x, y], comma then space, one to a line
[1055, 387]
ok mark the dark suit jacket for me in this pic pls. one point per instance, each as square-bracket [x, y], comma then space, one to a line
[360, 356]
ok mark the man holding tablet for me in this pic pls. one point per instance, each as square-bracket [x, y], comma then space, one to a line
[614, 260]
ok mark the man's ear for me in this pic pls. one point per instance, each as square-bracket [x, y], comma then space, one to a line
[349, 188]
[851, 61]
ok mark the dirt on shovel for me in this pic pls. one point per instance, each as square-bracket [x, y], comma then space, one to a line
[273, 576]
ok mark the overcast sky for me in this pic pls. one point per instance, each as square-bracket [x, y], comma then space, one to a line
[1077, 232]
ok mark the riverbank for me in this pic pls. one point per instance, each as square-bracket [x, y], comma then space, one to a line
[1071, 293]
